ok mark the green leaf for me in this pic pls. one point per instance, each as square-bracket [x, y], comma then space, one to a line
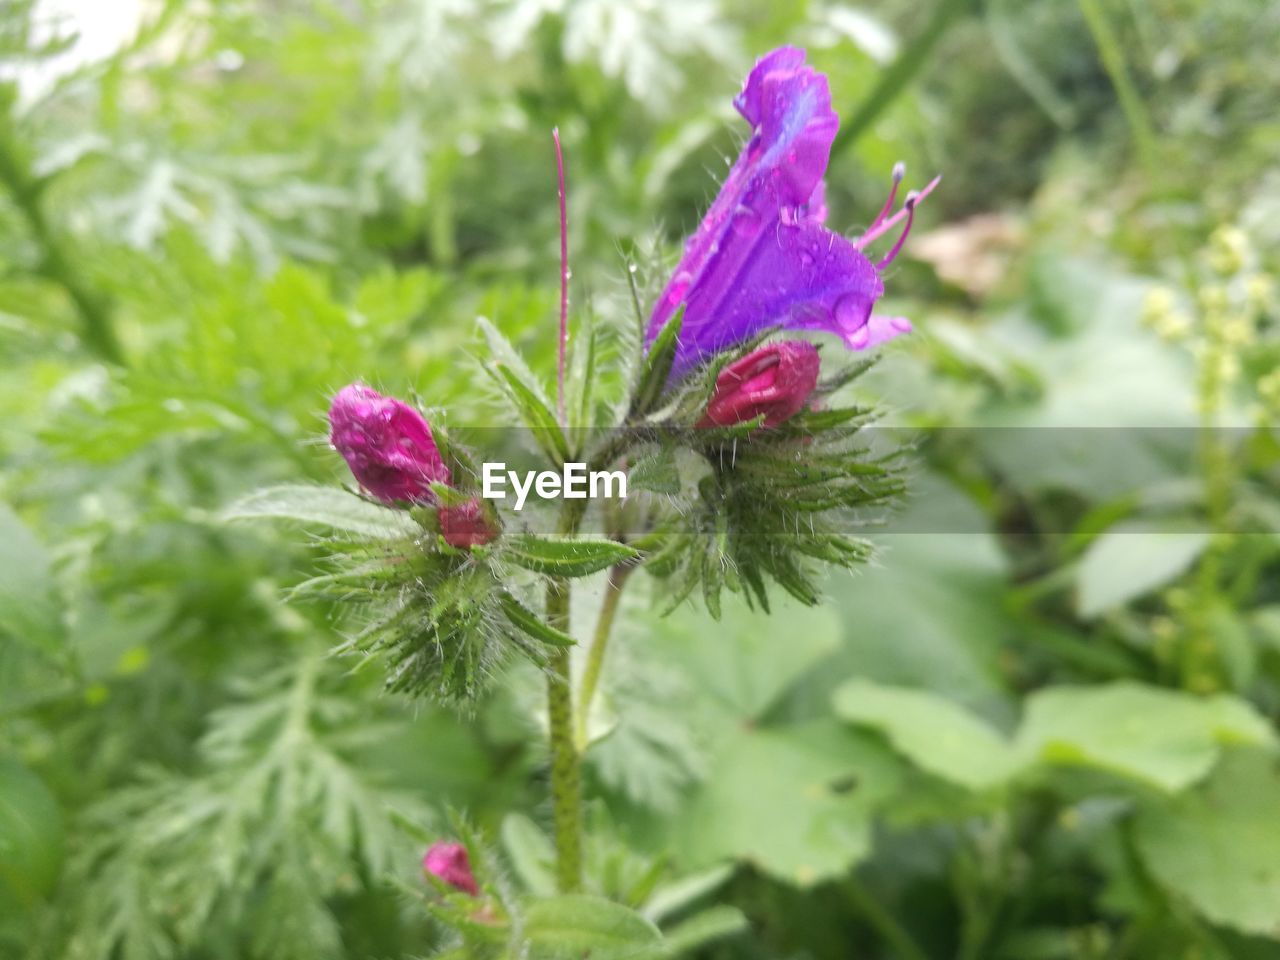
[676, 896]
[932, 615]
[1128, 562]
[1218, 846]
[796, 801]
[532, 624]
[536, 413]
[1163, 738]
[531, 854]
[29, 609]
[657, 473]
[657, 365]
[710, 925]
[575, 926]
[31, 836]
[566, 558]
[327, 506]
[935, 734]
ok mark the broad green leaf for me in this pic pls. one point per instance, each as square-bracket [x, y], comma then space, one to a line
[31, 836]
[531, 854]
[1219, 847]
[532, 624]
[326, 506]
[1163, 738]
[796, 801]
[745, 663]
[575, 926]
[1128, 562]
[931, 614]
[934, 733]
[566, 558]
[29, 613]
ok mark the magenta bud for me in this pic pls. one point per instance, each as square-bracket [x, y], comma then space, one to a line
[775, 380]
[449, 863]
[387, 444]
[465, 525]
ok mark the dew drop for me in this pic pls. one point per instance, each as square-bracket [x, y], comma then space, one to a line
[851, 315]
[806, 259]
[859, 338]
[679, 286]
[631, 268]
[746, 221]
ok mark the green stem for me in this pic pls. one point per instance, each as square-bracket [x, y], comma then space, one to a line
[883, 922]
[1131, 105]
[894, 79]
[599, 644]
[566, 775]
[56, 263]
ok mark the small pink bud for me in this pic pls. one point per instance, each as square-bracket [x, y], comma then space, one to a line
[387, 444]
[465, 525]
[775, 380]
[449, 862]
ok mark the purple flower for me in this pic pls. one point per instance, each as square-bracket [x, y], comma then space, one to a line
[387, 444]
[775, 380]
[762, 256]
[449, 863]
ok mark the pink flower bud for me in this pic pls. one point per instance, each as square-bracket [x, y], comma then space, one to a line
[449, 862]
[465, 525]
[387, 444]
[775, 380]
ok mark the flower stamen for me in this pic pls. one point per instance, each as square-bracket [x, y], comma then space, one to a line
[910, 206]
[877, 231]
[899, 173]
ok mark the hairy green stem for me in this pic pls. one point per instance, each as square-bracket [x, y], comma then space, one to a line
[566, 775]
[881, 920]
[599, 644]
[56, 263]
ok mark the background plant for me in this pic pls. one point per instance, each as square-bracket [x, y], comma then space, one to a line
[1021, 735]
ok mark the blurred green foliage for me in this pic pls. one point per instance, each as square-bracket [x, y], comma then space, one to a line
[1052, 735]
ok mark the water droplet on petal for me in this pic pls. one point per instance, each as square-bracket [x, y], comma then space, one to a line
[806, 259]
[746, 221]
[851, 314]
[859, 338]
[679, 286]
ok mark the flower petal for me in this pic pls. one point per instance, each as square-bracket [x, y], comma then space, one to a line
[761, 256]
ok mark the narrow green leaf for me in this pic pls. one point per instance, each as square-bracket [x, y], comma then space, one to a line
[566, 558]
[328, 506]
[535, 413]
[657, 365]
[578, 925]
[656, 473]
[714, 923]
[532, 624]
